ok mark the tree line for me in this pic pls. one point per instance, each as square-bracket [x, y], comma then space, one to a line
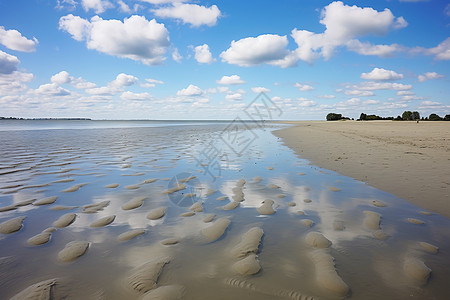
[406, 116]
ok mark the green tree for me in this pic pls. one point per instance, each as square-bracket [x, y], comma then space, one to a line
[447, 118]
[415, 115]
[334, 117]
[363, 117]
[407, 115]
[434, 117]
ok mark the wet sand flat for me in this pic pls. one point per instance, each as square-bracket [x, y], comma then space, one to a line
[406, 159]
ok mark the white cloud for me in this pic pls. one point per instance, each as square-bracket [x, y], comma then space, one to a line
[151, 83]
[372, 86]
[430, 103]
[358, 93]
[303, 102]
[326, 96]
[66, 4]
[366, 48]
[429, 75]
[193, 14]
[52, 89]
[303, 87]
[266, 48]
[12, 39]
[134, 38]
[98, 6]
[234, 96]
[176, 56]
[8, 63]
[64, 77]
[203, 55]
[380, 74]
[440, 52]
[135, 96]
[123, 7]
[260, 89]
[124, 80]
[191, 90]
[223, 89]
[404, 93]
[162, 1]
[371, 102]
[343, 24]
[233, 79]
[61, 78]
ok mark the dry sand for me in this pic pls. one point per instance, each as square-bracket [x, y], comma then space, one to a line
[406, 159]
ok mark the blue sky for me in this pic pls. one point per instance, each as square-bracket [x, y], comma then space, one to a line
[181, 59]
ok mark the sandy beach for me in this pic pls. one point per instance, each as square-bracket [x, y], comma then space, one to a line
[406, 159]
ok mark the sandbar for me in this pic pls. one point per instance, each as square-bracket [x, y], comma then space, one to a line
[403, 158]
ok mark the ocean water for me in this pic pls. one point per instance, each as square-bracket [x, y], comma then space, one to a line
[76, 160]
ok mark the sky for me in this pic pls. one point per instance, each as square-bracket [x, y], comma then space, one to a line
[187, 59]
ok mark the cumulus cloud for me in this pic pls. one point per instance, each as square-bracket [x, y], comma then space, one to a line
[134, 38]
[344, 24]
[176, 56]
[266, 48]
[233, 79]
[380, 74]
[191, 90]
[8, 63]
[429, 75]
[358, 93]
[234, 96]
[13, 39]
[193, 14]
[203, 55]
[440, 52]
[303, 102]
[373, 86]
[326, 96]
[151, 83]
[52, 89]
[99, 6]
[64, 77]
[135, 96]
[260, 89]
[303, 87]
[124, 80]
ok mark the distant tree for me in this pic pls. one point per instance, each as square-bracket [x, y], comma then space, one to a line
[415, 115]
[398, 118]
[434, 117]
[363, 117]
[407, 115]
[447, 118]
[334, 117]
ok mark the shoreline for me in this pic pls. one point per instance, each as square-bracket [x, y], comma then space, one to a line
[406, 159]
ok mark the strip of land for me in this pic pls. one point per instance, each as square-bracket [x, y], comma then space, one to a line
[408, 159]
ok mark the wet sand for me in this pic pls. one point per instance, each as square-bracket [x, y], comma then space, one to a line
[406, 159]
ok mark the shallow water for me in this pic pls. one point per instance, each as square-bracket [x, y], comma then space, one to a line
[35, 164]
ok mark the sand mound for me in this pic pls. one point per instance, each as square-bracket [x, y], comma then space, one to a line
[196, 207]
[65, 220]
[157, 213]
[144, 277]
[73, 250]
[39, 291]
[338, 225]
[216, 230]
[112, 186]
[133, 186]
[291, 204]
[74, 188]
[326, 274]
[93, 208]
[238, 194]
[415, 221]
[274, 186]
[249, 243]
[240, 182]
[170, 241]
[231, 205]
[208, 218]
[380, 235]
[372, 220]
[378, 203]
[307, 222]
[176, 188]
[222, 198]
[167, 292]
[317, 240]
[134, 203]
[187, 214]
[257, 179]
[266, 208]
[417, 270]
[103, 221]
[247, 266]
[11, 225]
[307, 200]
[128, 235]
[209, 192]
[62, 207]
[45, 201]
[429, 247]
[333, 189]
[40, 238]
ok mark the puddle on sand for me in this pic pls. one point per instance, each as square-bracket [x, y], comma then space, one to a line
[367, 248]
